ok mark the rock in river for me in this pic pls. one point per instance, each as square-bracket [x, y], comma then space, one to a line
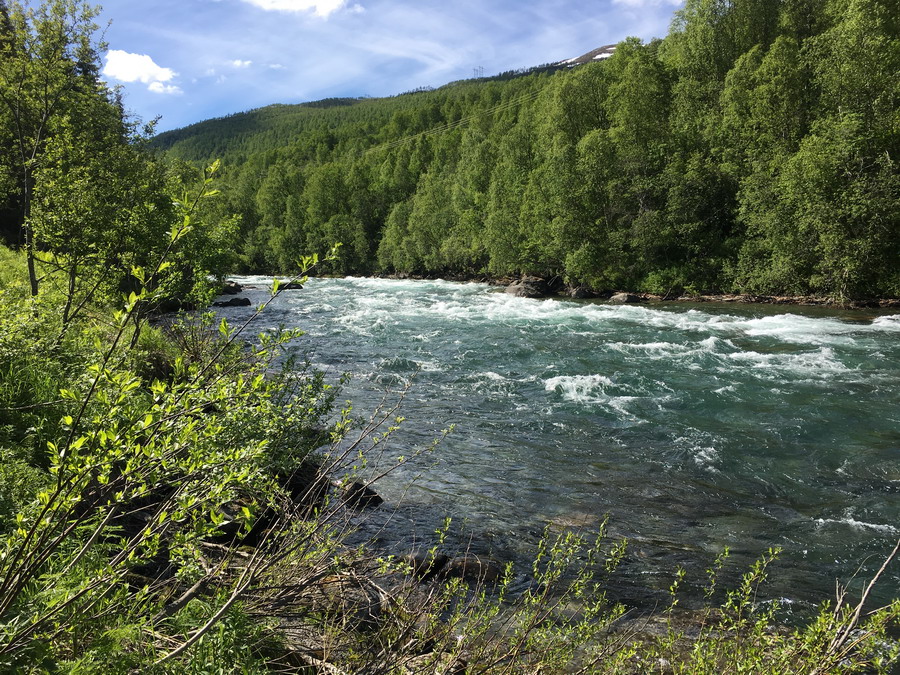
[360, 496]
[234, 302]
[473, 568]
[529, 287]
[625, 298]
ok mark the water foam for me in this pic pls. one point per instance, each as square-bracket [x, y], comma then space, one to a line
[888, 323]
[580, 388]
[706, 458]
[857, 525]
[591, 390]
[821, 364]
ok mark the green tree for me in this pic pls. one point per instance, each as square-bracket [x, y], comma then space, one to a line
[49, 67]
[99, 208]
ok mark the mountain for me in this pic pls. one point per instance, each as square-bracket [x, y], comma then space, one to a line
[276, 125]
[598, 54]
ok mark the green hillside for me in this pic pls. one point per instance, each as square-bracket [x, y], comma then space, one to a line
[752, 150]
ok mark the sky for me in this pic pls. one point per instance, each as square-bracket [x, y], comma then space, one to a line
[189, 60]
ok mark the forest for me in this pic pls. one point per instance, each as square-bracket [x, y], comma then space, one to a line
[752, 150]
[176, 493]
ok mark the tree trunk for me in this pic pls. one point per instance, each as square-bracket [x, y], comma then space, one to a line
[29, 252]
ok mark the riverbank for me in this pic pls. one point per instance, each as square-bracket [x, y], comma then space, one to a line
[556, 287]
[206, 537]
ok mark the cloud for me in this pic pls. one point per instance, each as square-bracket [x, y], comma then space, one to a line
[160, 88]
[237, 63]
[126, 67]
[321, 8]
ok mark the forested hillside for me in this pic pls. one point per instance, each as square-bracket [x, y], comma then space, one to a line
[754, 149]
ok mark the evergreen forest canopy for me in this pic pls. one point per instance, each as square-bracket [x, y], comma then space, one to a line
[754, 150]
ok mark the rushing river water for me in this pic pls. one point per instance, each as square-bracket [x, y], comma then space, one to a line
[693, 426]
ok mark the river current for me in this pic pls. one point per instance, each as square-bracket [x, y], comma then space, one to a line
[693, 427]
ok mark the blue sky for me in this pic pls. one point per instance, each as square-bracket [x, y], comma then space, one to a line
[189, 60]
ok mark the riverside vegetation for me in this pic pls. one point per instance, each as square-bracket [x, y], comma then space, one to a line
[170, 491]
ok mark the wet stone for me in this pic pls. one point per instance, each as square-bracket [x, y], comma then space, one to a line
[360, 496]
[473, 568]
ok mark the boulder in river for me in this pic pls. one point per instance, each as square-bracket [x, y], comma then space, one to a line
[288, 285]
[231, 288]
[233, 302]
[360, 496]
[346, 596]
[435, 662]
[529, 287]
[580, 292]
[425, 564]
[625, 298]
[471, 567]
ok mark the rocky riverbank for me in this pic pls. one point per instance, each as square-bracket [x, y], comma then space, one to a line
[544, 287]
[551, 287]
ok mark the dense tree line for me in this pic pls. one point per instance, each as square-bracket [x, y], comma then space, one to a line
[754, 149]
[79, 192]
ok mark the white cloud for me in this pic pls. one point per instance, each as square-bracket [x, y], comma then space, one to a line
[276, 66]
[237, 63]
[160, 88]
[321, 8]
[126, 67]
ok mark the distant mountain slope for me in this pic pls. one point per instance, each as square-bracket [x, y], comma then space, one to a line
[241, 134]
[598, 54]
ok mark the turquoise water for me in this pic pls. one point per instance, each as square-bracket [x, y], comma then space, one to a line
[693, 426]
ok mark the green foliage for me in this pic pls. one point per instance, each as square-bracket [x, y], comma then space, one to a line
[743, 634]
[751, 150]
[142, 472]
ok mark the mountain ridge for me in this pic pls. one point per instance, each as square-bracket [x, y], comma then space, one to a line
[167, 139]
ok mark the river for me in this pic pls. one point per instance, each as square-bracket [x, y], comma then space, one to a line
[694, 426]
